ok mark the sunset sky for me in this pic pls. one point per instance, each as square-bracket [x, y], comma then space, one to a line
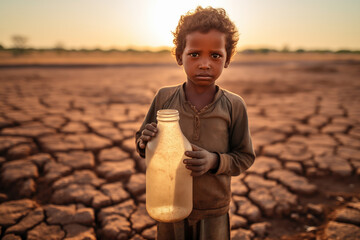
[310, 24]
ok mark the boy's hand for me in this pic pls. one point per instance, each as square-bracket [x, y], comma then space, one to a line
[147, 134]
[201, 161]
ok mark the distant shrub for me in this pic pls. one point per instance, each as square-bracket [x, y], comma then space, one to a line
[346, 51]
[19, 43]
[259, 50]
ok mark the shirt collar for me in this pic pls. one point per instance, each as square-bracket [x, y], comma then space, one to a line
[218, 94]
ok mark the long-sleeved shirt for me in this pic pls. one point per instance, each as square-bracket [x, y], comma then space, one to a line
[220, 127]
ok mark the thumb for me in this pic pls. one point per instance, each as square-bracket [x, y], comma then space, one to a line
[196, 148]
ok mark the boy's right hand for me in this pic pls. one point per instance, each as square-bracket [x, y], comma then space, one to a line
[147, 134]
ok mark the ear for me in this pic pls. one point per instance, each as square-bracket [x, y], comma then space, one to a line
[226, 64]
[179, 59]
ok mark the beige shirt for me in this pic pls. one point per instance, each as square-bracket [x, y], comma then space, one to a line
[221, 127]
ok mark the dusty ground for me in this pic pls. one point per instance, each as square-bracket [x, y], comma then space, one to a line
[69, 170]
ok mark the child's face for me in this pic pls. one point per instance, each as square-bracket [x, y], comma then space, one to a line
[204, 57]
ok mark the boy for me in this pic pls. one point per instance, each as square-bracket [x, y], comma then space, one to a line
[212, 119]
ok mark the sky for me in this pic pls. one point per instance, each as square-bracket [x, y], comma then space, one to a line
[142, 24]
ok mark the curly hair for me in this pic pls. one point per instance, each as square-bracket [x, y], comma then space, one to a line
[204, 20]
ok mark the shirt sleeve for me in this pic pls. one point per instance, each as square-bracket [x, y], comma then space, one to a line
[241, 155]
[150, 117]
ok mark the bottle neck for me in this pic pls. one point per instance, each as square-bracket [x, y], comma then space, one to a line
[168, 115]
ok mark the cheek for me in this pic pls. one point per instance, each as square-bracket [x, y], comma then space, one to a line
[189, 63]
[219, 70]
[220, 65]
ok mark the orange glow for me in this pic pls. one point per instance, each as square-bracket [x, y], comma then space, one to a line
[144, 23]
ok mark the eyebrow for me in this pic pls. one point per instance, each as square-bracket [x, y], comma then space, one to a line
[198, 50]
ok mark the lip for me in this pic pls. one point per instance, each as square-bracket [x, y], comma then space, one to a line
[204, 76]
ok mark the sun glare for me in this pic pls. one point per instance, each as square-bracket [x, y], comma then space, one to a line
[165, 15]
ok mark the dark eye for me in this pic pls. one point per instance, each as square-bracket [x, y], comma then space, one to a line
[215, 55]
[194, 54]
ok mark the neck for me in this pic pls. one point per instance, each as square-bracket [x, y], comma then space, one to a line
[199, 96]
[200, 90]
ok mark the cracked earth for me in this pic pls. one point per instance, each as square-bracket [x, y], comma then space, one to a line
[69, 169]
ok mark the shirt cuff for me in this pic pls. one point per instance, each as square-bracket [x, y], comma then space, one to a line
[213, 171]
[223, 164]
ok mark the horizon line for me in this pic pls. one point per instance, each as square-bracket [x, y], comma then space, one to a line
[169, 49]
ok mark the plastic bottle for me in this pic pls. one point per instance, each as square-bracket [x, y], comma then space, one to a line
[168, 183]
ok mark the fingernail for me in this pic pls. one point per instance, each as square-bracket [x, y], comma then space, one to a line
[185, 161]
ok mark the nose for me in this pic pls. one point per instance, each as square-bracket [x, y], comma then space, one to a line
[204, 63]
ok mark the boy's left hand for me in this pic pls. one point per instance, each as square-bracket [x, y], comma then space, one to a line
[201, 161]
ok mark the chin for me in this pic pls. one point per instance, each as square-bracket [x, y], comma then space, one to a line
[205, 84]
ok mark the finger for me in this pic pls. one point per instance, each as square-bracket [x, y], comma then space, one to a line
[196, 148]
[151, 127]
[197, 174]
[145, 138]
[194, 154]
[196, 168]
[194, 162]
[141, 144]
[147, 132]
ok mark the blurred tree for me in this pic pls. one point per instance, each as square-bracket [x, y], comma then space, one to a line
[19, 43]
[263, 50]
[59, 47]
[1, 47]
[285, 49]
[343, 51]
[164, 51]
